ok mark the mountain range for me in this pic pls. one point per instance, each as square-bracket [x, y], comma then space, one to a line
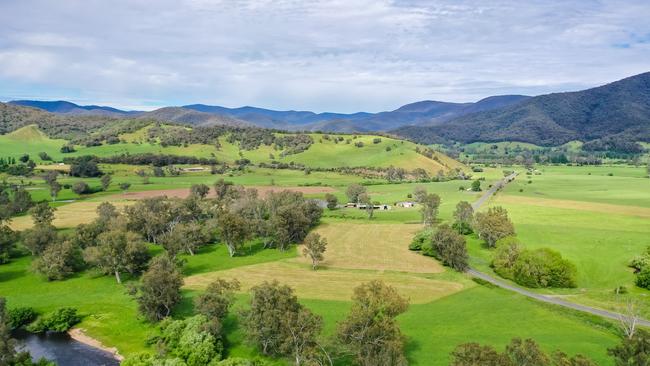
[617, 110]
[419, 113]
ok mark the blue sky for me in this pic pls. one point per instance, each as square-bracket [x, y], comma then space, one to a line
[344, 56]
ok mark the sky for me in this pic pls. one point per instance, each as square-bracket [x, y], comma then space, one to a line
[338, 56]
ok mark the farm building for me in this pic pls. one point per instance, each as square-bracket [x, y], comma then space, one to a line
[361, 206]
[406, 204]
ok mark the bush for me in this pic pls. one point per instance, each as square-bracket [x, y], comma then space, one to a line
[59, 320]
[19, 317]
[544, 268]
[421, 239]
[80, 187]
[643, 278]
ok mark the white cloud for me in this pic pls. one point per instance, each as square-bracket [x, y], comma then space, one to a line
[321, 55]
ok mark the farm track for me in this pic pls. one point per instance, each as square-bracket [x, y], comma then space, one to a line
[547, 299]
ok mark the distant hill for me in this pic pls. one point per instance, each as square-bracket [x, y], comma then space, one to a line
[64, 107]
[617, 110]
[192, 117]
[418, 113]
[424, 112]
[290, 120]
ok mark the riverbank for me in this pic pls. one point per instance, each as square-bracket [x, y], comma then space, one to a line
[79, 335]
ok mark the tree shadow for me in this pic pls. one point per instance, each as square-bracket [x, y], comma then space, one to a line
[11, 275]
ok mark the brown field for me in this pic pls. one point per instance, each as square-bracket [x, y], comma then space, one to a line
[184, 192]
[67, 216]
[382, 247]
[328, 284]
[577, 205]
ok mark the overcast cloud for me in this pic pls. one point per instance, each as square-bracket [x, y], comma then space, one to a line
[346, 55]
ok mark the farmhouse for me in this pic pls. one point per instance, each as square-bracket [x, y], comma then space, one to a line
[406, 204]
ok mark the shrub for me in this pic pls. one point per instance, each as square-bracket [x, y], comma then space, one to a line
[643, 278]
[59, 320]
[544, 268]
[421, 239]
[22, 316]
[80, 187]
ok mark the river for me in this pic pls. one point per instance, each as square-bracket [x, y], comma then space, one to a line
[63, 350]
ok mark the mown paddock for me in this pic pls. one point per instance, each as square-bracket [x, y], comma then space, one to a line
[382, 247]
[356, 253]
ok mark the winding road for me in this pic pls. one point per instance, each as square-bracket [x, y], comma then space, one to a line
[548, 299]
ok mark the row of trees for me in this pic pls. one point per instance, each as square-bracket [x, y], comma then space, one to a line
[279, 326]
[632, 351]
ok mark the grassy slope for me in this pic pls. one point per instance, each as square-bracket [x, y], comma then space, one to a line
[321, 154]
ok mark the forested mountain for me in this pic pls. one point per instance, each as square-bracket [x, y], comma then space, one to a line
[620, 110]
[192, 117]
[63, 107]
[418, 113]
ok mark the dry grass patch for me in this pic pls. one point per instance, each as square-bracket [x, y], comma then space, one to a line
[327, 284]
[184, 192]
[382, 247]
[577, 205]
[67, 216]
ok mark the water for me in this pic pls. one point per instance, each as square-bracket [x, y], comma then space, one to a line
[63, 350]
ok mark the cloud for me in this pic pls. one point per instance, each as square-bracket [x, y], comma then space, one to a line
[320, 55]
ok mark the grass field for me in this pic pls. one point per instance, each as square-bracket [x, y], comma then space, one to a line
[596, 220]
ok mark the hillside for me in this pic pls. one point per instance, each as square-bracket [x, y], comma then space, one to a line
[620, 109]
[191, 117]
[418, 113]
[64, 107]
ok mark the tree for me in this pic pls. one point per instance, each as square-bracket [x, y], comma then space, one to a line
[185, 237]
[476, 186]
[80, 188]
[24, 158]
[332, 201]
[493, 225]
[449, 247]
[44, 156]
[429, 208]
[55, 188]
[217, 299]
[526, 352]
[519, 352]
[22, 201]
[118, 251]
[370, 329]
[59, 260]
[188, 342]
[85, 166]
[279, 325]
[106, 212]
[7, 344]
[233, 230]
[314, 247]
[354, 191]
[474, 354]
[38, 238]
[106, 181]
[463, 215]
[124, 186]
[419, 193]
[7, 239]
[160, 288]
[364, 199]
[42, 214]
[632, 351]
[200, 190]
